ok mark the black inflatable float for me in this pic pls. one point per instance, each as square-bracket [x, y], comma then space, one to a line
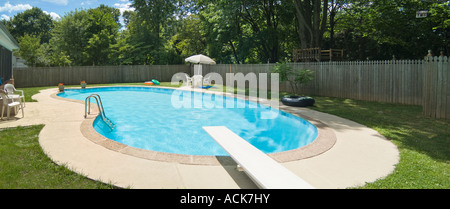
[298, 101]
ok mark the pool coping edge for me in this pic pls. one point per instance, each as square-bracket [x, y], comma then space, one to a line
[325, 140]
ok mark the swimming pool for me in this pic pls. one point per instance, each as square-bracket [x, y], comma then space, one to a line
[151, 119]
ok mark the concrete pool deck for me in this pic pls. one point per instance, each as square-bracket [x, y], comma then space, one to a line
[359, 154]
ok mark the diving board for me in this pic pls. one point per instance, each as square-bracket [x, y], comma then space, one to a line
[262, 169]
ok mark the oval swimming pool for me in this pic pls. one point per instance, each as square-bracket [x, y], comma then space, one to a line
[166, 120]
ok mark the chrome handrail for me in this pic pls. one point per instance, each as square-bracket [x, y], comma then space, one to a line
[87, 110]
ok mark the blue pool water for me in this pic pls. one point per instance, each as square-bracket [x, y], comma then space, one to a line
[145, 118]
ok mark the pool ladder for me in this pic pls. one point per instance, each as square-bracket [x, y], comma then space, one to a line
[87, 110]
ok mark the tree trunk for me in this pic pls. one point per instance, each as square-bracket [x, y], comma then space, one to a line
[316, 23]
[332, 15]
[324, 21]
[303, 11]
[332, 22]
[234, 52]
[311, 25]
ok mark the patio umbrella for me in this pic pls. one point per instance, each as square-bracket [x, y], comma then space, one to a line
[200, 59]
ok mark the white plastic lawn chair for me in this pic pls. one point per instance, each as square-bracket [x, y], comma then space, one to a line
[197, 81]
[207, 80]
[9, 103]
[188, 80]
[10, 90]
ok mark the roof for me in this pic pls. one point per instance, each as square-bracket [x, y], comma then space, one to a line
[6, 39]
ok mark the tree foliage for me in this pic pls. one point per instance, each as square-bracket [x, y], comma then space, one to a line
[383, 29]
[294, 77]
[146, 30]
[32, 22]
[241, 31]
[30, 49]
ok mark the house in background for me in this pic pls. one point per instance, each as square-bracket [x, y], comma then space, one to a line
[7, 60]
[19, 62]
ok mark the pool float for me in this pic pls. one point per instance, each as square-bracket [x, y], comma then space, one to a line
[156, 82]
[149, 83]
[205, 87]
[298, 101]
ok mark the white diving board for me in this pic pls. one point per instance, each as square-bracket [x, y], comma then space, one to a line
[262, 169]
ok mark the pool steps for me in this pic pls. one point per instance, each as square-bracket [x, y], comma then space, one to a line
[87, 110]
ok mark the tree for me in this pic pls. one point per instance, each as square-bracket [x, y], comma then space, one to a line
[101, 32]
[264, 19]
[245, 31]
[29, 49]
[311, 16]
[190, 39]
[383, 29]
[87, 36]
[241, 31]
[34, 53]
[32, 22]
[294, 77]
[60, 59]
[146, 28]
[440, 15]
[334, 8]
[221, 26]
[70, 38]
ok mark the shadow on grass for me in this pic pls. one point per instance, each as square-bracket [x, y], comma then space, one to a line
[403, 124]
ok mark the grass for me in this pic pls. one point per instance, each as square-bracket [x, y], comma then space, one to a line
[424, 145]
[29, 92]
[23, 164]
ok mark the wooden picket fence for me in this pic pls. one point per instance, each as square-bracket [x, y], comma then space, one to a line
[383, 81]
[412, 82]
[51, 76]
[415, 82]
[436, 87]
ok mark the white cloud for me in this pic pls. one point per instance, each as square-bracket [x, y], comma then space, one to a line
[124, 7]
[12, 8]
[88, 2]
[53, 15]
[5, 17]
[59, 2]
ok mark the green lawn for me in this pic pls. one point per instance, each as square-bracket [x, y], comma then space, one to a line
[23, 164]
[424, 145]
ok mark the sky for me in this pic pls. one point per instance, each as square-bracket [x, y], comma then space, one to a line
[57, 8]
